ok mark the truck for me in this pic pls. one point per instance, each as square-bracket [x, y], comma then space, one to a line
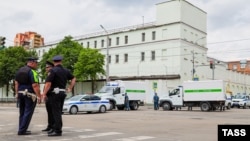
[207, 94]
[241, 100]
[115, 91]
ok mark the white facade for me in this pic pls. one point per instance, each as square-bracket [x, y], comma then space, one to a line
[172, 46]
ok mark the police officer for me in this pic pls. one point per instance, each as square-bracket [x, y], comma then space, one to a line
[156, 101]
[47, 99]
[28, 93]
[56, 83]
[126, 102]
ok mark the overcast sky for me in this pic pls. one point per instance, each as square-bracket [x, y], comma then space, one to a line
[228, 21]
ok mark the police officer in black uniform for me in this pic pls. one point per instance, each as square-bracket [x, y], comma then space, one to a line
[49, 66]
[56, 83]
[28, 93]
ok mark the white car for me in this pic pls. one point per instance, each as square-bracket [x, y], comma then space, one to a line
[241, 101]
[85, 103]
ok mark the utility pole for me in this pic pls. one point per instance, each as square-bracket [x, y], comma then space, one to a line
[193, 70]
[107, 54]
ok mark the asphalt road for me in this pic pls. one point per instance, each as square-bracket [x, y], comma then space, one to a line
[144, 124]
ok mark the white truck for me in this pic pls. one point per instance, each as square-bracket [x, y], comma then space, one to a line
[208, 95]
[115, 91]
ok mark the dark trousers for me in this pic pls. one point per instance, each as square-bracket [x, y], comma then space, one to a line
[127, 108]
[57, 101]
[156, 106]
[49, 111]
[26, 110]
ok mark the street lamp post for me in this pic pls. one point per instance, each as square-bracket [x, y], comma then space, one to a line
[107, 54]
[193, 70]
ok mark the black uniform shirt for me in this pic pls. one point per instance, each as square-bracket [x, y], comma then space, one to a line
[59, 76]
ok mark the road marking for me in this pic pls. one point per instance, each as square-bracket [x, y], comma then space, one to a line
[99, 135]
[83, 130]
[138, 138]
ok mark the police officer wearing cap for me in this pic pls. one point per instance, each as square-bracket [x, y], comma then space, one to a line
[49, 66]
[56, 83]
[28, 93]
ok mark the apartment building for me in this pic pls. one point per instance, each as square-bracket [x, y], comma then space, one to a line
[29, 40]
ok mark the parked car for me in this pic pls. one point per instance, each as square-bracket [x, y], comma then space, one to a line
[241, 101]
[85, 103]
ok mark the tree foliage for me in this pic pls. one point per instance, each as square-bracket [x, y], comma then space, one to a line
[67, 48]
[90, 65]
[11, 59]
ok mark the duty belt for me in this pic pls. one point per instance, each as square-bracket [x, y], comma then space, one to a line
[58, 90]
[32, 95]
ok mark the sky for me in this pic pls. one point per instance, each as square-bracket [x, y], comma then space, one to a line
[228, 21]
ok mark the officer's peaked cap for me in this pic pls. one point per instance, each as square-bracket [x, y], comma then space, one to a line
[32, 59]
[48, 63]
[57, 58]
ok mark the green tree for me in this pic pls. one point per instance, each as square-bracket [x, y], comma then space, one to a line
[67, 48]
[11, 59]
[90, 65]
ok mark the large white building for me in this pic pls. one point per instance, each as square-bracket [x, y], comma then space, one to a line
[164, 52]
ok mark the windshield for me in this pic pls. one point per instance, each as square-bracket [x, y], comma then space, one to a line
[106, 89]
[239, 97]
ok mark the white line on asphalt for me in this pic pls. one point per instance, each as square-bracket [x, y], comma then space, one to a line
[138, 138]
[83, 130]
[99, 135]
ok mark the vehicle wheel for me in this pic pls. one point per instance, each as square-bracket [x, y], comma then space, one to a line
[245, 106]
[166, 106]
[102, 109]
[205, 106]
[134, 105]
[73, 110]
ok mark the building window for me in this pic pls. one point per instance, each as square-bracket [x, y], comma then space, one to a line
[95, 44]
[126, 57]
[142, 56]
[116, 58]
[117, 40]
[126, 39]
[87, 44]
[143, 37]
[153, 35]
[102, 43]
[110, 41]
[81, 44]
[109, 59]
[152, 55]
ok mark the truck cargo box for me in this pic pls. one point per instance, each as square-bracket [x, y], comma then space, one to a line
[209, 90]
